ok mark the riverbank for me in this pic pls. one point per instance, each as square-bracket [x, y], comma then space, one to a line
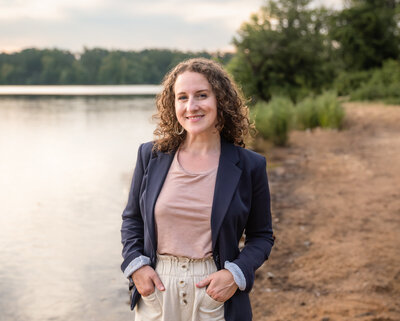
[336, 213]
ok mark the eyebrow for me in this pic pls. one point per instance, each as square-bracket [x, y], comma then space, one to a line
[196, 92]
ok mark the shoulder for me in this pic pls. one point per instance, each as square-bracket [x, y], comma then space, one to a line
[250, 158]
[145, 148]
[145, 151]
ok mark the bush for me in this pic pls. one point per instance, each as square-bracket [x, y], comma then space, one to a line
[347, 82]
[306, 114]
[384, 84]
[274, 119]
[321, 111]
[329, 110]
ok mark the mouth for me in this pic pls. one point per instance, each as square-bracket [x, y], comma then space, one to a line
[195, 117]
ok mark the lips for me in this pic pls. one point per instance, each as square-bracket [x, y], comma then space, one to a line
[194, 117]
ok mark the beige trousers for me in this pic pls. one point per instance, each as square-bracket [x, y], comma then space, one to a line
[181, 300]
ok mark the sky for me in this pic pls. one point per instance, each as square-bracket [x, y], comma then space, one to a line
[189, 25]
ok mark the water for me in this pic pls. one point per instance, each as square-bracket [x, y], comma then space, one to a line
[65, 171]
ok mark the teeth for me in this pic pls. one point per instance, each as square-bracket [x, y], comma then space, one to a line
[191, 117]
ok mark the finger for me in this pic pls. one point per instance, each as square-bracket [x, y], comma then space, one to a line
[203, 283]
[158, 283]
[147, 292]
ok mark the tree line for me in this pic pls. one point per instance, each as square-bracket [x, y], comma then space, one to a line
[94, 66]
[285, 49]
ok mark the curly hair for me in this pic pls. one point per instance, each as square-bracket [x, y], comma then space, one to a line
[232, 114]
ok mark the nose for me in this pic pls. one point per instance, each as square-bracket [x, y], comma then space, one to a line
[192, 104]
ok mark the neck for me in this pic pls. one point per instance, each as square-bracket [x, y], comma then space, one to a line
[201, 144]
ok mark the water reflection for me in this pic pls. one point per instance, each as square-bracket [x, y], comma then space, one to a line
[65, 169]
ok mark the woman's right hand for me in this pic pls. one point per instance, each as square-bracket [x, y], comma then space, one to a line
[145, 279]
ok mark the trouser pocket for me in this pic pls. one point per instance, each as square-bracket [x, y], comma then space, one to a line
[210, 309]
[148, 308]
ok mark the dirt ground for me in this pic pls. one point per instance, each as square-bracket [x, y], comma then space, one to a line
[336, 213]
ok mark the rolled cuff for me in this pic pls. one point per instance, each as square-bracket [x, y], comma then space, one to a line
[136, 264]
[237, 273]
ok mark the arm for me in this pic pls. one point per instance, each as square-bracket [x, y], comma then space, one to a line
[259, 241]
[259, 235]
[135, 264]
[132, 222]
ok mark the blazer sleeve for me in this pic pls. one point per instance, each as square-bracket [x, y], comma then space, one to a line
[132, 222]
[258, 231]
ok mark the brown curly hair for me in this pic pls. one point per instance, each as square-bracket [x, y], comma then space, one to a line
[232, 114]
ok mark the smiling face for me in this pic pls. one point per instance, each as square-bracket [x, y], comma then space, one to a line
[195, 104]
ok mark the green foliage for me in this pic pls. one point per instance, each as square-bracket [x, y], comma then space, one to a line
[93, 66]
[32, 66]
[306, 114]
[274, 119]
[384, 84]
[283, 50]
[367, 33]
[322, 111]
[329, 110]
[346, 82]
[291, 50]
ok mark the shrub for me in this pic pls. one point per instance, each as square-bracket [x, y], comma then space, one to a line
[321, 111]
[306, 114]
[274, 119]
[329, 110]
[347, 82]
[384, 84]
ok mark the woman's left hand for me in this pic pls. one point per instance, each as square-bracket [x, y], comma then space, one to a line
[221, 285]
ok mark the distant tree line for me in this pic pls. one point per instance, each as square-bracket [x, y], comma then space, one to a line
[94, 66]
[285, 49]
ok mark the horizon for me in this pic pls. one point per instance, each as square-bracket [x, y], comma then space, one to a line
[77, 53]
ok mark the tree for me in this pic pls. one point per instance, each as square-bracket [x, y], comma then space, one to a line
[91, 60]
[367, 32]
[283, 50]
[94, 66]
[56, 66]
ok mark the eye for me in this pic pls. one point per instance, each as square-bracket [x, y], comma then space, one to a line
[203, 95]
[183, 97]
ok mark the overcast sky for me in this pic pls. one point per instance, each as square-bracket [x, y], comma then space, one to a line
[125, 24]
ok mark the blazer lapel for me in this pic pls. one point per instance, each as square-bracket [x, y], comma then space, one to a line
[157, 172]
[228, 176]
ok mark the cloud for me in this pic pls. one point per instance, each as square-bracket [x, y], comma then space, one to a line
[54, 10]
[114, 32]
[230, 13]
[190, 11]
[124, 24]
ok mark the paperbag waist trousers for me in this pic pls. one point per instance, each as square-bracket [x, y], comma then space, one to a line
[181, 300]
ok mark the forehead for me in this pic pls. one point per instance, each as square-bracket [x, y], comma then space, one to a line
[191, 81]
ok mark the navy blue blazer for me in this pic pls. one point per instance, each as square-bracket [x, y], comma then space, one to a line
[241, 203]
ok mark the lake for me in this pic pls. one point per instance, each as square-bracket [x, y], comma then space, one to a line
[65, 171]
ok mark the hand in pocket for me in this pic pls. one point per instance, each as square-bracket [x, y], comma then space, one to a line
[146, 279]
[221, 285]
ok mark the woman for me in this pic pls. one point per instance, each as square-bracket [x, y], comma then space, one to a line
[195, 190]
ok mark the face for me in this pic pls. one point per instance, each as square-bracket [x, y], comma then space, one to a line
[195, 104]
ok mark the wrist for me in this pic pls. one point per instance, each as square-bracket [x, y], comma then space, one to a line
[237, 274]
